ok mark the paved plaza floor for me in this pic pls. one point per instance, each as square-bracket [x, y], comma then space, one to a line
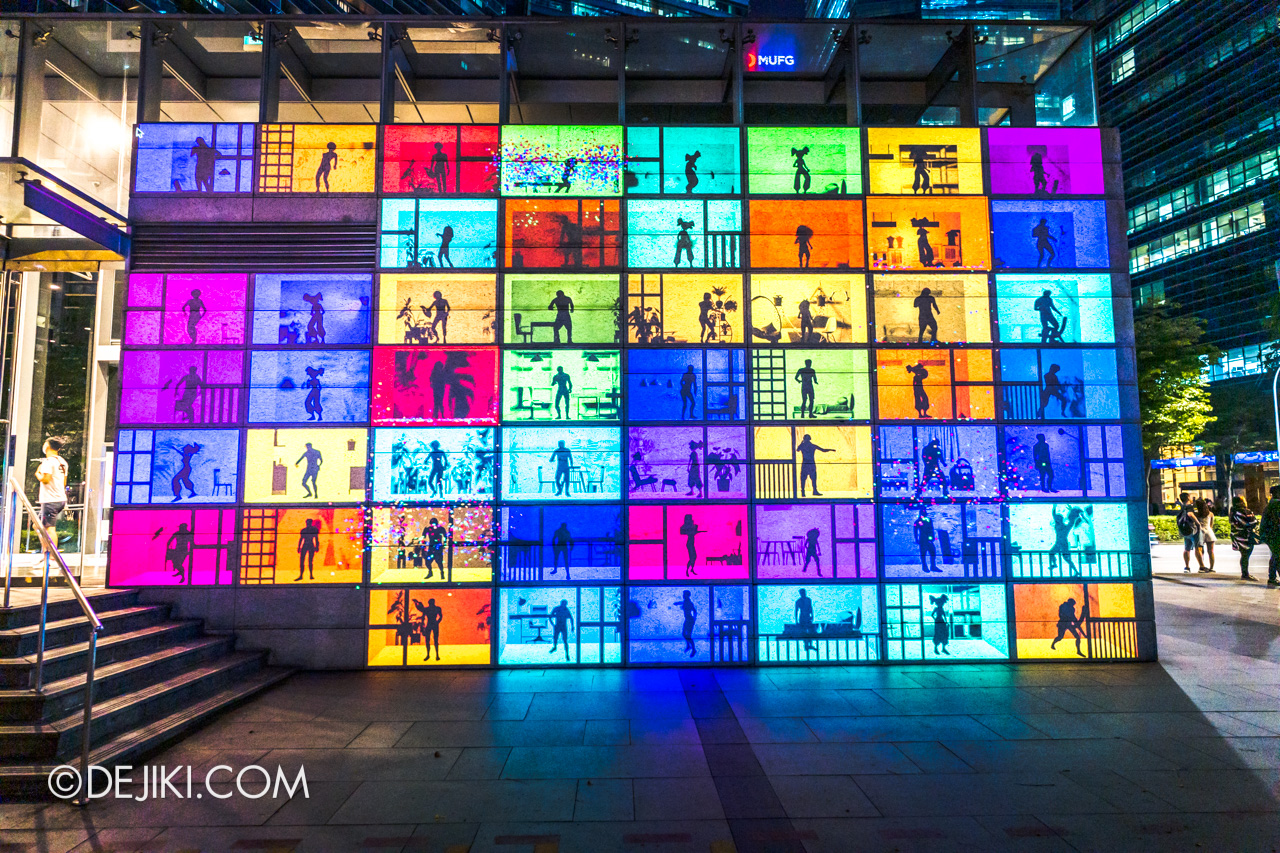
[1179, 755]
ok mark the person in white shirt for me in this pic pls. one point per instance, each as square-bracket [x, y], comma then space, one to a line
[52, 475]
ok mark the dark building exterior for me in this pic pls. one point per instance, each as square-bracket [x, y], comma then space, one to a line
[1196, 97]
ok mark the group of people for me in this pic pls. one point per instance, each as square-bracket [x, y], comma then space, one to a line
[1195, 525]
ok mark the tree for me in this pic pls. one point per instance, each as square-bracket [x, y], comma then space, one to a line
[1172, 393]
[1241, 424]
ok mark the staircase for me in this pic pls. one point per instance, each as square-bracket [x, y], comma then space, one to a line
[157, 679]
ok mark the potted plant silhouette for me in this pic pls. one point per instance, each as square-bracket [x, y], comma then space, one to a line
[725, 464]
[723, 308]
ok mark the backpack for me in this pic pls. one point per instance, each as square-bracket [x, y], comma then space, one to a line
[1187, 524]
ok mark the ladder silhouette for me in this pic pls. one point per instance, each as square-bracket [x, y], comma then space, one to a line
[275, 169]
[768, 384]
[258, 560]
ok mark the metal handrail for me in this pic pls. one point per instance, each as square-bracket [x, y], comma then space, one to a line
[51, 553]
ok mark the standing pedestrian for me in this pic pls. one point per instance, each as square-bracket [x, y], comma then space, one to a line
[1192, 533]
[1204, 512]
[52, 475]
[1269, 532]
[1244, 534]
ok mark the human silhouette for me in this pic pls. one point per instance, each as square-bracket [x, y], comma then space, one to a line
[312, 405]
[927, 540]
[1044, 244]
[805, 312]
[941, 629]
[442, 254]
[569, 241]
[684, 243]
[563, 306]
[566, 175]
[706, 325]
[922, 243]
[1051, 319]
[803, 612]
[693, 471]
[440, 312]
[691, 171]
[921, 183]
[1043, 463]
[308, 545]
[927, 310]
[186, 392]
[690, 530]
[1039, 180]
[439, 169]
[639, 480]
[311, 473]
[808, 378]
[315, 325]
[1053, 390]
[206, 158]
[688, 388]
[811, 550]
[563, 457]
[803, 179]
[918, 375]
[183, 477]
[561, 547]
[1063, 524]
[931, 458]
[432, 616]
[1068, 622]
[563, 384]
[804, 245]
[193, 309]
[439, 463]
[178, 548]
[435, 535]
[561, 625]
[809, 463]
[690, 611]
[328, 162]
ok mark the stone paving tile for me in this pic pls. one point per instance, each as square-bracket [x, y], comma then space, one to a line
[268, 734]
[776, 730]
[1267, 720]
[807, 759]
[509, 706]
[461, 802]
[1052, 756]
[903, 728]
[604, 837]
[989, 793]
[118, 840]
[495, 733]
[966, 700]
[691, 798]
[587, 706]
[933, 757]
[822, 796]
[663, 730]
[479, 762]
[1169, 831]
[378, 735]
[616, 762]
[604, 799]
[1009, 727]
[323, 800]
[914, 834]
[607, 733]
[1212, 790]
[34, 841]
[391, 764]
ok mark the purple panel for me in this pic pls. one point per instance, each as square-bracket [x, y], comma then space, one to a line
[1046, 161]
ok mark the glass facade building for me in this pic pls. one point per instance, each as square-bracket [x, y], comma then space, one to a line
[624, 343]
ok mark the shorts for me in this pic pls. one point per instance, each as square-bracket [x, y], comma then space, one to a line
[50, 513]
[1192, 542]
[1209, 537]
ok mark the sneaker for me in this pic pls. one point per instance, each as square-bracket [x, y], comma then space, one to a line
[1187, 570]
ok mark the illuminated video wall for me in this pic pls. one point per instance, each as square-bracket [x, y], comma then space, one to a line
[657, 395]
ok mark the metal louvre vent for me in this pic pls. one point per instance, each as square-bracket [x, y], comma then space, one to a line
[257, 247]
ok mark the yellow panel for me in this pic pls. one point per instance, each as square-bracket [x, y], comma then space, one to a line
[837, 306]
[325, 158]
[1115, 600]
[689, 308]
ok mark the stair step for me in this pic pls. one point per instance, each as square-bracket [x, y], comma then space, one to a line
[67, 695]
[44, 741]
[30, 781]
[19, 642]
[102, 601]
[68, 660]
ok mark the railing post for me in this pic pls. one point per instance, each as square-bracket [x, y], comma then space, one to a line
[10, 510]
[86, 740]
[44, 620]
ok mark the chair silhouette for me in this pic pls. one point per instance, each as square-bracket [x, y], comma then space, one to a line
[218, 485]
[521, 332]
[638, 481]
